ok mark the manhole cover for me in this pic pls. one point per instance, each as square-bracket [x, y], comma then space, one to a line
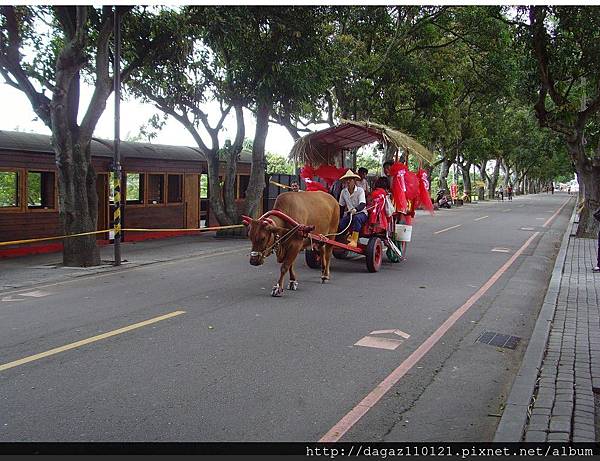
[498, 340]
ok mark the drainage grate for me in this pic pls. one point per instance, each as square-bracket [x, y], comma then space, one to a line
[498, 340]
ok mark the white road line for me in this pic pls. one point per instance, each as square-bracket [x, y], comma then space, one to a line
[36, 294]
[379, 343]
[447, 229]
[479, 219]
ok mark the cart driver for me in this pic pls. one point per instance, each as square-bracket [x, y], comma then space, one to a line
[354, 202]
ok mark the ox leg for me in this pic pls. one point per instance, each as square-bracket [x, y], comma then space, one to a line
[326, 251]
[288, 261]
[293, 285]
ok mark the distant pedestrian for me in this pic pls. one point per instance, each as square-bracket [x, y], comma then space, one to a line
[294, 186]
[501, 193]
[509, 192]
[597, 217]
[569, 190]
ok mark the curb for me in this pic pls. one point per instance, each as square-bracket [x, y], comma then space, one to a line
[514, 418]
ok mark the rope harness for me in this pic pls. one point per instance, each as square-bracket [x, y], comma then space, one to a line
[290, 233]
[277, 243]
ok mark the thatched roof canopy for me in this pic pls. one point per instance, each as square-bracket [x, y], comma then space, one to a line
[323, 147]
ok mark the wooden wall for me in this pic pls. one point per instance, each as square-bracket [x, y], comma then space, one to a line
[23, 223]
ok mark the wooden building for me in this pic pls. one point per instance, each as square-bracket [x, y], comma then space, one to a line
[163, 187]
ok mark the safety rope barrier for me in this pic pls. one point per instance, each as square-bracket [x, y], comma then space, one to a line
[60, 237]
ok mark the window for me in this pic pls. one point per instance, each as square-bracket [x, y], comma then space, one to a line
[243, 181]
[40, 190]
[135, 187]
[111, 186]
[9, 189]
[175, 189]
[203, 186]
[156, 188]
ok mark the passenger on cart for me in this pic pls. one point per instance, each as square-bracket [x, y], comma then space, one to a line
[382, 207]
[387, 167]
[353, 201]
[363, 183]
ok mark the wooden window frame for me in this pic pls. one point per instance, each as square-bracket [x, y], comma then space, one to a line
[26, 190]
[147, 199]
[20, 191]
[182, 182]
[238, 181]
[132, 204]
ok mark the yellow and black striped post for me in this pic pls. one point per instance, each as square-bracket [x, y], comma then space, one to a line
[117, 216]
[117, 158]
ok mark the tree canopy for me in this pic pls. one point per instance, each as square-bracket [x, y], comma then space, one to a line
[516, 88]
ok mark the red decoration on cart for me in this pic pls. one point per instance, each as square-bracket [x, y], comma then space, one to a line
[328, 173]
[377, 216]
[398, 185]
[424, 198]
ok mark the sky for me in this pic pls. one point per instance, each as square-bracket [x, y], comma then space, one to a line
[17, 114]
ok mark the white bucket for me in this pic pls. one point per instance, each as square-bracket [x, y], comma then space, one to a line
[403, 232]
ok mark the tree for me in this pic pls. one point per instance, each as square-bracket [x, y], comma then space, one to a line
[38, 63]
[565, 81]
[276, 164]
[370, 161]
[239, 57]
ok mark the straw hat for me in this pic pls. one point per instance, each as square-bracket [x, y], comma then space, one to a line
[349, 175]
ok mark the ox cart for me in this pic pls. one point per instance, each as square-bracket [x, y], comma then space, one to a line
[327, 153]
[311, 221]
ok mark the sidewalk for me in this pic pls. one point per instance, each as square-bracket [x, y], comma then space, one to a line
[553, 397]
[33, 270]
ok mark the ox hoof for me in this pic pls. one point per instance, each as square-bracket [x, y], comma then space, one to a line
[324, 279]
[293, 285]
[277, 291]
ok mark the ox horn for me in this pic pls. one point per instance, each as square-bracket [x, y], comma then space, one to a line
[246, 220]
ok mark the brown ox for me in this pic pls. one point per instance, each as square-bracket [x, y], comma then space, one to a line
[313, 209]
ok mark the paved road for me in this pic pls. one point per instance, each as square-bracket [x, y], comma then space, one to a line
[234, 364]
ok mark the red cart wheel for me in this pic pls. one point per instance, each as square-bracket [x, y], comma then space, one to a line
[374, 254]
[313, 259]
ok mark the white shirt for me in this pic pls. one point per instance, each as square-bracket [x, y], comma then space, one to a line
[353, 200]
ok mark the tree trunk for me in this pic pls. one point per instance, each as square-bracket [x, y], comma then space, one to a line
[494, 180]
[232, 157]
[483, 173]
[443, 178]
[507, 174]
[229, 184]
[390, 153]
[78, 199]
[259, 164]
[588, 176]
[466, 175]
[215, 190]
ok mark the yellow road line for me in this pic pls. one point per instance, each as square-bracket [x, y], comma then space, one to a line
[447, 229]
[83, 342]
[479, 219]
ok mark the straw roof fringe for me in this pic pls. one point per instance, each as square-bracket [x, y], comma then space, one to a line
[322, 147]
